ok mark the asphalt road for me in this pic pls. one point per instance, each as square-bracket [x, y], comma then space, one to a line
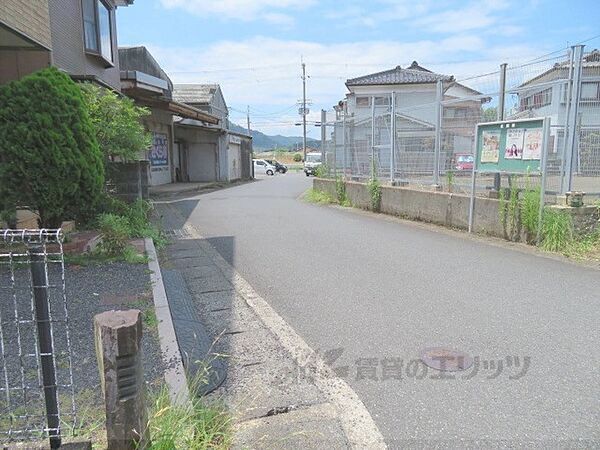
[382, 289]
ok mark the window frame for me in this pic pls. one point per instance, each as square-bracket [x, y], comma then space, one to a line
[362, 99]
[98, 52]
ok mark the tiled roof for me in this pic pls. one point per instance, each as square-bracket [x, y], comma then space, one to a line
[195, 93]
[414, 74]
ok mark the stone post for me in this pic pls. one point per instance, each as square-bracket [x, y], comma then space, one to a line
[118, 337]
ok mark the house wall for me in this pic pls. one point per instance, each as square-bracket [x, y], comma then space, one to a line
[30, 18]
[159, 124]
[235, 161]
[15, 64]
[25, 40]
[66, 22]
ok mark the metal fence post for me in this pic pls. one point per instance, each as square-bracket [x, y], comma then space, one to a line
[44, 330]
[373, 169]
[438, 132]
[563, 158]
[344, 142]
[573, 116]
[501, 114]
[323, 135]
[392, 137]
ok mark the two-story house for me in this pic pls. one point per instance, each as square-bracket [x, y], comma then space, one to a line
[77, 36]
[416, 99]
[546, 96]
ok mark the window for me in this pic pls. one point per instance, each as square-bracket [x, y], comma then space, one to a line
[97, 33]
[536, 100]
[382, 101]
[90, 26]
[590, 91]
[362, 102]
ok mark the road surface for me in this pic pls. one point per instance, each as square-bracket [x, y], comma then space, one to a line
[381, 290]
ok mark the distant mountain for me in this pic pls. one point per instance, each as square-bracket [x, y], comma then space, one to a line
[261, 141]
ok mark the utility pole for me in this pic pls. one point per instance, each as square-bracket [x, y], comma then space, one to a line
[304, 108]
[248, 119]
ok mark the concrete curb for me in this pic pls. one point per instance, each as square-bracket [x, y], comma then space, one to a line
[357, 423]
[174, 371]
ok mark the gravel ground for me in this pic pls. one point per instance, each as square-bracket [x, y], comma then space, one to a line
[89, 290]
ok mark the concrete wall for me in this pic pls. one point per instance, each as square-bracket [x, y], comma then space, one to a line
[128, 181]
[448, 209]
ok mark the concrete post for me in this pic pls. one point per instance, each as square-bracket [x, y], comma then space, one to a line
[118, 337]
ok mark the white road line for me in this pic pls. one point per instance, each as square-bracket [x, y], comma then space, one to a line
[360, 428]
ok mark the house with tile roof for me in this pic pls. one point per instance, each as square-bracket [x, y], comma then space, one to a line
[415, 90]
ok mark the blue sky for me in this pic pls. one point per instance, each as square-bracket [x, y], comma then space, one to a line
[253, 48]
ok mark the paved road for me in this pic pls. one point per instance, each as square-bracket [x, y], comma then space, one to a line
[379, 288]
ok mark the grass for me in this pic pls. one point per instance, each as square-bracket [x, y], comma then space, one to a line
[194, 425]
[557, 231]
[316, 196]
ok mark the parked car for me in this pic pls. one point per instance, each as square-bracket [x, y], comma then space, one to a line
[281, 168]
[263, 167]
[463, 162]
[313, 160]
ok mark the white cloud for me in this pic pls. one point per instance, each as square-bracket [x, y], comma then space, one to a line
[474, 16]
[246, 10]
[265, 72]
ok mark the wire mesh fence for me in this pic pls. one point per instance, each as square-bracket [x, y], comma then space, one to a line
[431, 140]
[36, 378]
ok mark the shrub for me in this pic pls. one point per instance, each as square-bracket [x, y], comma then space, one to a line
[49, 157]
[322, 171]
[297, 157]
[117, 123]
[115, 233]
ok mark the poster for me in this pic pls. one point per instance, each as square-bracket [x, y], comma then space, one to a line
[159, 153]
[514, 143]
[490, 151]
[533, 144]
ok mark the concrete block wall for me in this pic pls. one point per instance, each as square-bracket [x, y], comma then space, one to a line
[442, 208]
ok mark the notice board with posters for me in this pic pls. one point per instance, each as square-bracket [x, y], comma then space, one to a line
[511, 147]
[517, 146]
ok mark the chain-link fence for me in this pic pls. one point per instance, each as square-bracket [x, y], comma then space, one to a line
[36, 376]
[431, 140]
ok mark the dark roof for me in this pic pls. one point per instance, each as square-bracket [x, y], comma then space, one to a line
[590, 65]
[414, 74]
[195, 93]
[141, 60]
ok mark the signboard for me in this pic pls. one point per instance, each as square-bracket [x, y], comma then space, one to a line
[159, 151]
[510, 146]
[235, 139]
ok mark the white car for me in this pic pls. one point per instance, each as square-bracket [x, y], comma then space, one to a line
[263, 167]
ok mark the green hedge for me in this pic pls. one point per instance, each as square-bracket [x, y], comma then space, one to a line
[49, 158]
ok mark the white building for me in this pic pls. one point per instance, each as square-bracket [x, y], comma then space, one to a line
[546, 96]
[416, 100]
